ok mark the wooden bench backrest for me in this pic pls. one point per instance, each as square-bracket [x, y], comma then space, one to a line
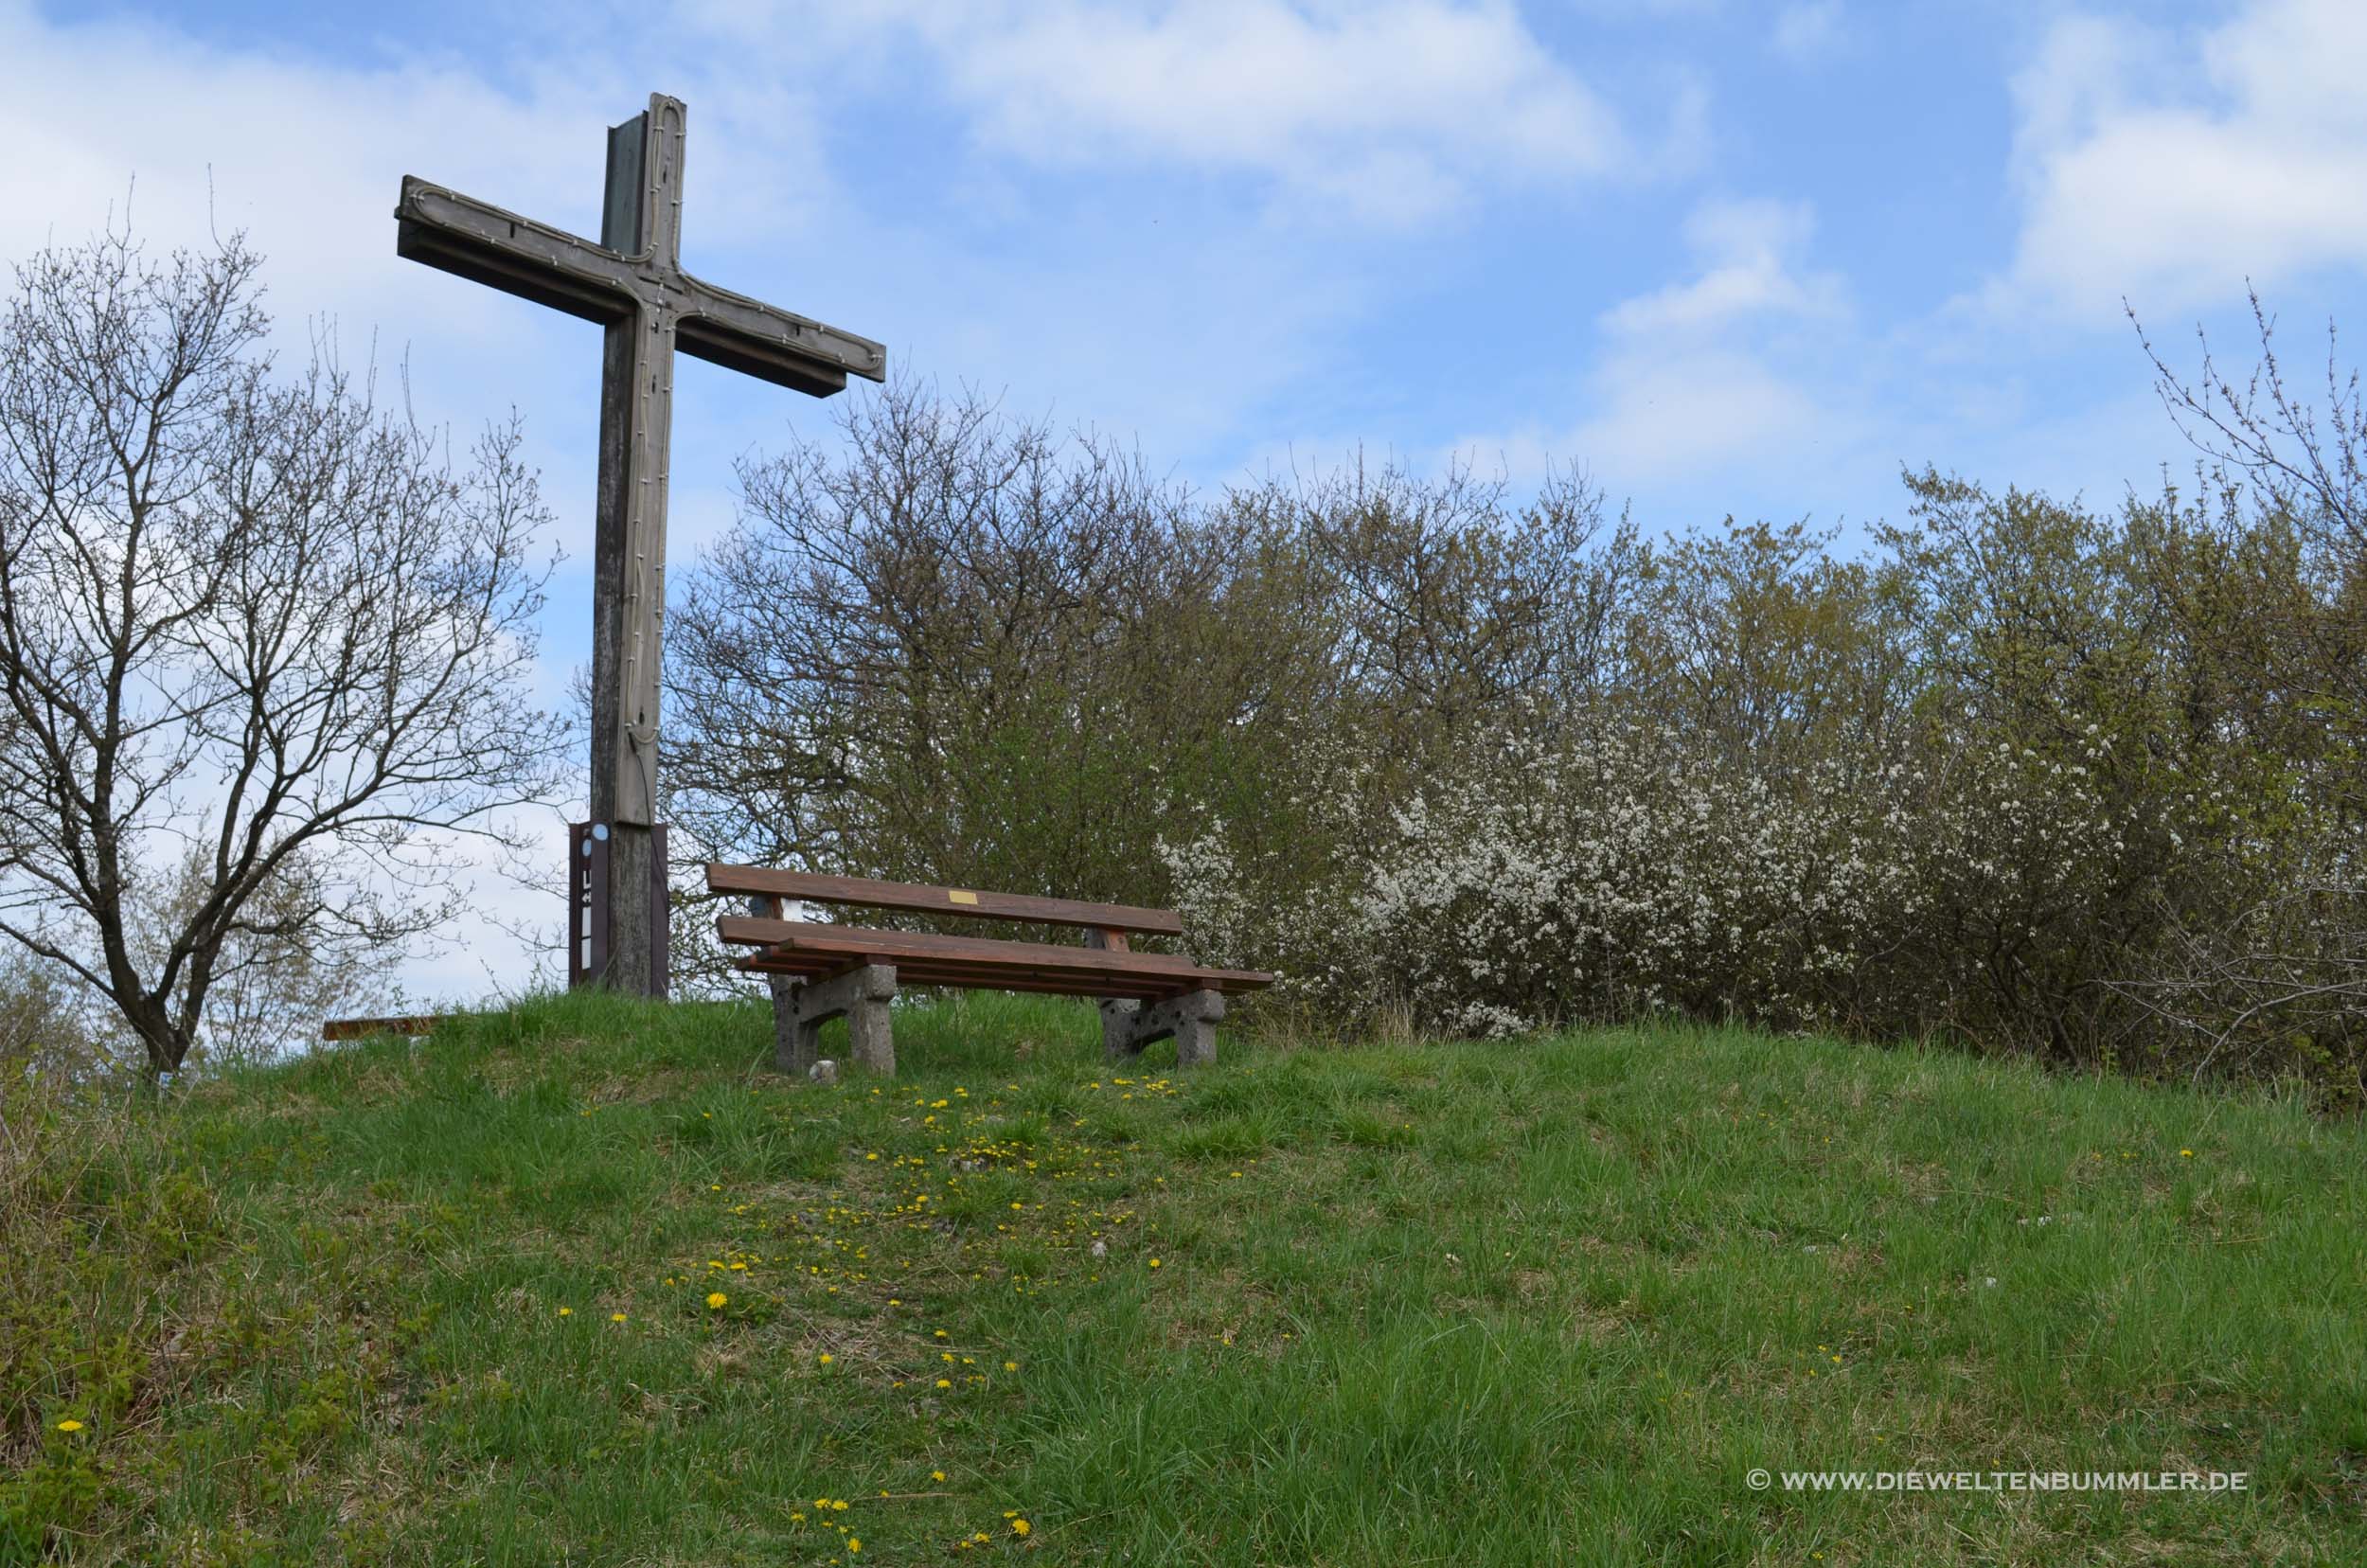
[961, 902]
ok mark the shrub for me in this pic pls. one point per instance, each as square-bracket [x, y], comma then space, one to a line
[2069, 783]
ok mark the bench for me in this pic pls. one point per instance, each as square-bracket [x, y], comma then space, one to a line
[821, 971]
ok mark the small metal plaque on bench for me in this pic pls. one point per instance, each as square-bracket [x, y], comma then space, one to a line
[958, 896]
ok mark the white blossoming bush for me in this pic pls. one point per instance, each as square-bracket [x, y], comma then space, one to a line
[1627, 875]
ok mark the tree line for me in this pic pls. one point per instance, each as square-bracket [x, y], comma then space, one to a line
[2082, 782]
[2033, 775]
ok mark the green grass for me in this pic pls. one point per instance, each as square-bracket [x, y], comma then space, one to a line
[1526, 1302]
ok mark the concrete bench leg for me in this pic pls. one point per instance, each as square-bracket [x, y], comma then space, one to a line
[870, 1040]
[861, 995]
[1191, 1018]
[793, 1048]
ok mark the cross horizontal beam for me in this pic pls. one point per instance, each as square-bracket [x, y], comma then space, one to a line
[483, 242]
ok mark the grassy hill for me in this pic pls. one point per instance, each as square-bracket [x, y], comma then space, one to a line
[584, 1283]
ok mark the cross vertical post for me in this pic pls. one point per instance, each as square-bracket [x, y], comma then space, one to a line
[639, 216]
[634, 285]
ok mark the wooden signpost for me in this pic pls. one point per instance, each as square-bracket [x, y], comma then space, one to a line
[633, 283]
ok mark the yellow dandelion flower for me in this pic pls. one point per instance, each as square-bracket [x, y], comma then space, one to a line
[717, 1298]
[616, 1317]
[1154, 1263]
[945, 1382]
[567, 1312]
[2185, 1154]
[1020, 1526]
[69, 1424]
[825, 1358]
[936, 1475]
[854, 1543]
[1010, 1367]
[838, 1504]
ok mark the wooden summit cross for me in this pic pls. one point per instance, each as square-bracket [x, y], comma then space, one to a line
[633, 283]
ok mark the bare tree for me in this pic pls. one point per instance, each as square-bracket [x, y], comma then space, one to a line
[2307, 462]
[274, 980]
[259, 640]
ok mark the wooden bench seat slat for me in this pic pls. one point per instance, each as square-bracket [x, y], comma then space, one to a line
[956, 902]
[813, 968]
[984, 957]
[1040, 982]
[757, 931]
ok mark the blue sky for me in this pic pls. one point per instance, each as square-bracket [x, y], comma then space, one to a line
[1726, 258]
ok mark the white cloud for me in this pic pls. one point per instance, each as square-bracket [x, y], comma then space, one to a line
[1750, 249]
[1648, 10]
[1391, 110]
[307, 155]
[2167, 169]
[1807, 30]
[1696, 376]
[1663, 414]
